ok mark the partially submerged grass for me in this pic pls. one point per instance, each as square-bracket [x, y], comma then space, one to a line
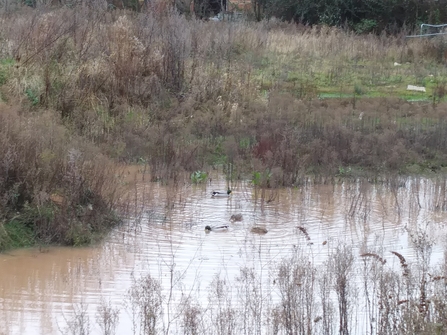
[346, 294]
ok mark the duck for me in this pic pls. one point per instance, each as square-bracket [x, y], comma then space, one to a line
[236, 217]
[259, 230]
[218, 228]
[216, 194]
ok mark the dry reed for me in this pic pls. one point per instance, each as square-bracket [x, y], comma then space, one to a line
[375, 256]
[403, 263]
[304, 231]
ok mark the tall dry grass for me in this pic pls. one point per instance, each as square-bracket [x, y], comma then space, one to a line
[52, 184]
[347, 294]
[183, 94]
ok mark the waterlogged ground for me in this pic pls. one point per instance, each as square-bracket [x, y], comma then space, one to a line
[44, 291]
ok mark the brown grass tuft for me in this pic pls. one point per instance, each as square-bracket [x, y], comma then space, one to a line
[377, 257]
[304, 231]
[436, 278]
[403, 263]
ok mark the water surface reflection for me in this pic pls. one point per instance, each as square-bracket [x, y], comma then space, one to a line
[40, 292]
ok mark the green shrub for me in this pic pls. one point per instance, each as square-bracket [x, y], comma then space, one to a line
[365, 26]
[261, 178]
[33, 97]
[5, 66]
[15, 234]
[198, 177]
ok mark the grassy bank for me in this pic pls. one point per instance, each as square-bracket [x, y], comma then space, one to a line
[55, 188]
[277, 101]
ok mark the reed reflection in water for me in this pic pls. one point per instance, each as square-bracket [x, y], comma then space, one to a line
[46, 292]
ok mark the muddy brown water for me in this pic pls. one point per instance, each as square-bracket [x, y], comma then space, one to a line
[42, 290]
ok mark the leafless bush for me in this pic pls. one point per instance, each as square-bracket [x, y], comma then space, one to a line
[224, 317]
[327, 299]
[327, 317]
[192, 318]
[80, 322]
[251, 296]
[372, 275]
[107, 317]
[296, 284]
[146, 303]
[390, 289]
[342, 262]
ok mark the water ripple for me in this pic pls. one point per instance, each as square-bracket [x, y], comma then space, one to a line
[165, 238]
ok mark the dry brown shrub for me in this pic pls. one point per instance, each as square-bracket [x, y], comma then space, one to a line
[157, 85]
[61, 187]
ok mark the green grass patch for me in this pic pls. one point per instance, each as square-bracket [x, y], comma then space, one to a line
[32, 96]
[329, 95]
[15, 234]
[5, 65]
[198, 177]
[341, 78]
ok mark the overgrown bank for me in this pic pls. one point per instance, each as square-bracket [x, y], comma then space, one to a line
[54, 187]
[183, 95]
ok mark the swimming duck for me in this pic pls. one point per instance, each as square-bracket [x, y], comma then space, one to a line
[218, 228]
[236, 217]
[221, 194]
[259, 230]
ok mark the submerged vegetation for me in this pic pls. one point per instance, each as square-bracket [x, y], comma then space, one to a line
[375, 292]
[82, 88]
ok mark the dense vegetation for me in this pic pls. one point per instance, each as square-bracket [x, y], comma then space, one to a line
[359, 15]
[82, 88]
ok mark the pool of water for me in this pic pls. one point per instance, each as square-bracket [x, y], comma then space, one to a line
[45, 291]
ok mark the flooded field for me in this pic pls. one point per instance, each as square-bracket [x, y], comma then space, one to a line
[231, 281]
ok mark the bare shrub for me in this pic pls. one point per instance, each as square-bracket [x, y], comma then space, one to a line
[192, 318]
[377, 293]
[164, 89]
[296, 284]
[146, 303]
[61, 187]
[250, 292]
[328, 310]
[80, 322]
[342, 262]
[107, 317]
[224, 317]
[390, 289]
